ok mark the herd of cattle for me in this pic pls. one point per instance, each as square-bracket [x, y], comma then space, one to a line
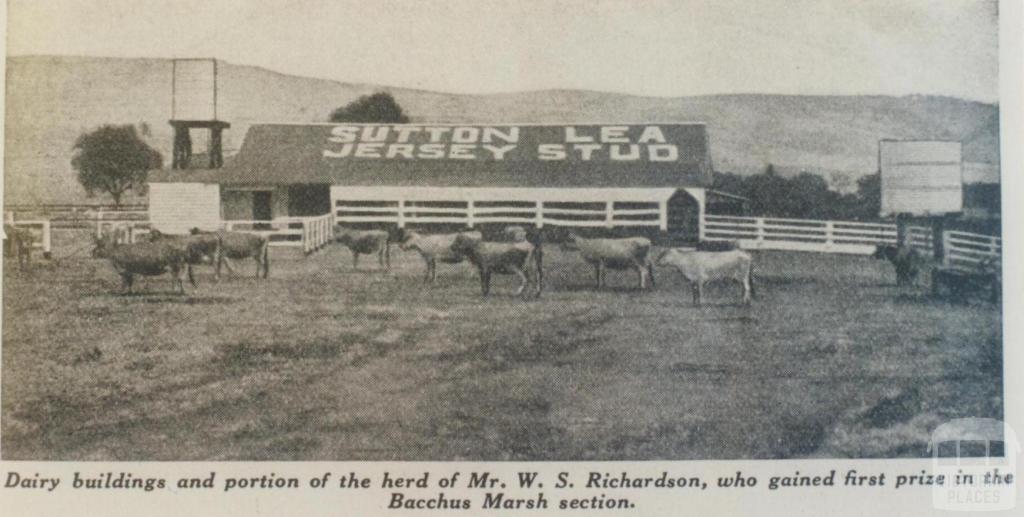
[516, 252]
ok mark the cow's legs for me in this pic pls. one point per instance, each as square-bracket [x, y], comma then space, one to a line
[746, 290]
[433, 270]
[485, 281]
[126, 282]
[355, 260]
[426, 270]
[643, 275]
[523, 280]
[597, 274]
[700, 292]
[387, 256]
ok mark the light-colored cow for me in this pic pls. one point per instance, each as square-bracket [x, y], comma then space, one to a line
[625, 253]
[435, 248]
[700, 267]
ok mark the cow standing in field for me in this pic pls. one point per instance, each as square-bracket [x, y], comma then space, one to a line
[18, 243]
[366, 242]
[145, 258]
[241, 245]
[626, 253]
[198, 247]
[700, 267]
[506, 258]
[907, 261]
[435, 248]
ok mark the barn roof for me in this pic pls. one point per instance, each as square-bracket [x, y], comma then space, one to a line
[466, 155]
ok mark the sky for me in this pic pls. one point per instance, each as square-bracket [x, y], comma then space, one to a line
[642, 47]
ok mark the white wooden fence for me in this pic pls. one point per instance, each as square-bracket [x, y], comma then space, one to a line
[764, 233]
[308, 233]
[606, 214]
[38, 228]
[971, 251]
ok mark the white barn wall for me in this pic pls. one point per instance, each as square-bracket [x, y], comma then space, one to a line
[179, 207]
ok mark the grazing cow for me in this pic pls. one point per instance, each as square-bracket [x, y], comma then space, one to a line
[144, 258]
[507, 258]
[907, 261]
[198, 247]
[18, 244]
[241, 245]
[366, 242]
[514, 234]
[604, 254]
[434, 249]
[700, 267]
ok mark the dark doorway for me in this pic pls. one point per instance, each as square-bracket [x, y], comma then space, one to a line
[683, 218]
[309, 200]
[261, 205]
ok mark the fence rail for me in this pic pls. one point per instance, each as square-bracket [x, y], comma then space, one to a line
[607, 214]
[308, 233]
[798, 234]
[965, 250]
[40, 232]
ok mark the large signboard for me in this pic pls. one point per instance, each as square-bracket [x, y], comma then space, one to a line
[476, 155]
[920, 177]
[651, 143]
[194, 89]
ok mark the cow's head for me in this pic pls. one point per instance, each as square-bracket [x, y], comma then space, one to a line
[884, 251]
[101, 246]
[665, 258]
[570, 242]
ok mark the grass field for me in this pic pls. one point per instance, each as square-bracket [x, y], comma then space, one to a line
[321, 362]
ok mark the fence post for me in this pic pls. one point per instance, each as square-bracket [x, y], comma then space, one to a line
[663, 218]
[470, 213]
[609, 213]
[539, 214]
[829, 228]
[759, 224]
[946, 245]
[401, 213]
[46, 239]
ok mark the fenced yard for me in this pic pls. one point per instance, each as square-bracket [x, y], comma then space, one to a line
[320, 362]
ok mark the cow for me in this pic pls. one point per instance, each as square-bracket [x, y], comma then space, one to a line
[18, 244]
[700, 267]
[199, 247]
[366, 242]
[435, 248]
[625, 253]
[144, 258]
[907, 261]
[507, 258]
[241, 245]
[514, 234]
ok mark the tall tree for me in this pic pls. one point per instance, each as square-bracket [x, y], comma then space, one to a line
[113, 160]
[379, 107]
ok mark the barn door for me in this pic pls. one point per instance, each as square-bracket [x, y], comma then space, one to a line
[261, 209]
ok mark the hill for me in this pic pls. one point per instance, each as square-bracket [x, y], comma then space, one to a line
[51, 100]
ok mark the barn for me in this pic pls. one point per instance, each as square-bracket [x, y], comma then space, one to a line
[636, 178]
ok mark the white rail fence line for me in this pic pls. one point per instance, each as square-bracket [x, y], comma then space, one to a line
[308, 233]
[921, 239]
[472, 213]
[38, 228]
[971, 251]
[764, 233]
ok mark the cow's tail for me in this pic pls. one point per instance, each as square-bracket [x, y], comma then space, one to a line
[265, 252]
[650, 271]
[191, 278]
